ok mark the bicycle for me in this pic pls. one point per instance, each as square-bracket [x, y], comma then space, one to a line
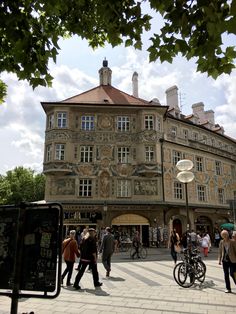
[142, 252]
[190, 269]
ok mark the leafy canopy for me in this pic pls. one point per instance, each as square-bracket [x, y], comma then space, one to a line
[30, 31]
[21, 185]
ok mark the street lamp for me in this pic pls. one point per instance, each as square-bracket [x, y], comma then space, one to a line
[105, 208]
[185, 176]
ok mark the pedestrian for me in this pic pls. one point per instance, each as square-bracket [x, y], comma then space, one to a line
[193, 237]
[174, 242]
[88, 256]
[136, 243]
[205, 244]
[227, 257]
[234, 235]
[70, 251]
[107, 249]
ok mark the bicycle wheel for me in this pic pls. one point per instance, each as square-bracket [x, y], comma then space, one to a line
[143, 252]
[184, 275]
[200, 271]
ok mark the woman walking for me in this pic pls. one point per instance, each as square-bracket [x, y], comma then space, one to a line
[173, 243]
[227, 257]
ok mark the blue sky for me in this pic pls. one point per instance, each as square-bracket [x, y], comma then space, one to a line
[23, 119]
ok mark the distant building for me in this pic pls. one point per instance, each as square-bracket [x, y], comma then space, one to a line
[110, 160]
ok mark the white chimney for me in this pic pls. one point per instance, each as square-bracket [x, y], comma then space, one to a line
[105, 74]
[135, 84]
[198, 110]
[172, 99]
[210, 116]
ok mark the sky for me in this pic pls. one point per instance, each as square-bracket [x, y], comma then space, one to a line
[22, 119]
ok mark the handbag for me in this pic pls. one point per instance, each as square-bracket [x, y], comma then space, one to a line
[177, 248]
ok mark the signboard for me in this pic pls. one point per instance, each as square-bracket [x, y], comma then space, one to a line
[39, 251]
[30, 250]
[8, 237]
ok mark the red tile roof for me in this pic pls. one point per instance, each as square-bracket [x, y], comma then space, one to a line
[106, 94]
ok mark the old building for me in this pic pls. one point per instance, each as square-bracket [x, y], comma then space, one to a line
[110, 160]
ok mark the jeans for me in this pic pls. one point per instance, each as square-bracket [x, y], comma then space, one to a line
[68, 270]
[229, 269]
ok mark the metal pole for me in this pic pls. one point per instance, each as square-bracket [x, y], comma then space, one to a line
[187, 209]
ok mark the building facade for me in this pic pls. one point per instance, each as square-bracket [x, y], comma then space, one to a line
[110, 159]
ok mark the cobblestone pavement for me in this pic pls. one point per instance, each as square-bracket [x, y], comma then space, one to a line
[139, 286]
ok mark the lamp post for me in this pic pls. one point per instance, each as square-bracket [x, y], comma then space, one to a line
[185, 176]
[105, 208]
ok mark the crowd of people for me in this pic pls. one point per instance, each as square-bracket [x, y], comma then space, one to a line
[89, 246]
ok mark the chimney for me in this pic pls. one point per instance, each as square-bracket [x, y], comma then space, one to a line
[105, 73]
[172, 97]
[135, 84]
[210, 116]
[198, 110]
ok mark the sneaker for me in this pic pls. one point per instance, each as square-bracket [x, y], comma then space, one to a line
[227, 291]
[99, 284]
[69, 284]
[77, 287]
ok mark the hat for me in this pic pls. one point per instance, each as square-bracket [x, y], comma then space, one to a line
[91, 229]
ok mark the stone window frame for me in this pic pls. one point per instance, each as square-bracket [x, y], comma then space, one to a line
[199, 163]
[221, 196]
[149, 153]
[123, 124]
[86, 153]
[60, 149]
[123, 188]
[123, 154]
[85, 187]
[62, 119]
[178, 190]
[201, 193]
[87, 122]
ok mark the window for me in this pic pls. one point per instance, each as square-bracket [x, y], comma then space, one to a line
[123, 188]
[233, 172]
[123, 154]
[221, 196]
[176, 157]
[218, 167]
[195, 136]
[173, 131]
[204, 139]
[158, 123]
[49, 152]
[85, 187]
[201, 193]
[76, 152]
[61, 119]
[87, 123]
[178, 190]
[86, 153]
[199, 163]
[149, 122]
[60, 152]
[123, 124]
[234, 195]
[149, 153]
[50, 121]
[185, 134]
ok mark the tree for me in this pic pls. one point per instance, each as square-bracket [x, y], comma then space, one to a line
[30, 30]
[21, 185]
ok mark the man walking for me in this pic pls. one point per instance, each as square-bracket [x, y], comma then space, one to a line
[88, 256]
[107, 249]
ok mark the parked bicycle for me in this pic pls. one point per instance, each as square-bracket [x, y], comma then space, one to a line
[142, 252]
[190, 269]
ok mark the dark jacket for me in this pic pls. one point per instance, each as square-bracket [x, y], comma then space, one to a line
[107, 246]
[88, 248]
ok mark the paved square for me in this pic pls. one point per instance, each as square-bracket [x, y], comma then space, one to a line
[138, 287]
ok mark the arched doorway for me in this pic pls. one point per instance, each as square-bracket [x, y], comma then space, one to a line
[177, 225]
[127, 224]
